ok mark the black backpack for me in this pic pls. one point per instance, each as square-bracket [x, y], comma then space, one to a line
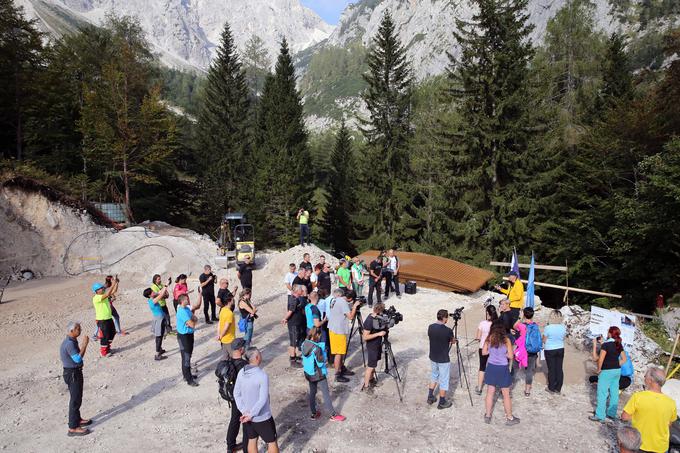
[226, 372]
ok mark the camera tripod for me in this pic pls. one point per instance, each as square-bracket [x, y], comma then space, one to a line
[394, 371]
[357, 327]
[462, 374]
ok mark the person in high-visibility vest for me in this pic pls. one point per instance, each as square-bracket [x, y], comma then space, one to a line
[303, 219]
[515, 293]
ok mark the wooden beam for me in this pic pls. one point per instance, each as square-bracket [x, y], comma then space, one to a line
[570, 288]
[546, 267]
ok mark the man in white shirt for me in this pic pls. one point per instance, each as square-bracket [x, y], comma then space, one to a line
[288, 280]
[393, 274]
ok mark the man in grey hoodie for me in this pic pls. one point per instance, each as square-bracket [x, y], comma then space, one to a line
[251, 393]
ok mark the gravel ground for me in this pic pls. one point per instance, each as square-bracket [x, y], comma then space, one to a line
[142, 405]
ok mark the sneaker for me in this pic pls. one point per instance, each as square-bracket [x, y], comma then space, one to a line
[487, 419]
[478, 391]
[163, 351]
[512, 421]
[431, 400]
[159, 357]
[172, 332]
[207, 321]
[594, 418]
[341, 378]
[398, 296]
[193, 383]
[193, 376]
[316, 415]
[346, 372]
[338, 418]
[445, 405]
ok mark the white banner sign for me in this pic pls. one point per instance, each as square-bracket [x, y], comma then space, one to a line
[601, 320]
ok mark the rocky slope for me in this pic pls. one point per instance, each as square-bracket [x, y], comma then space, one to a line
[186, 32]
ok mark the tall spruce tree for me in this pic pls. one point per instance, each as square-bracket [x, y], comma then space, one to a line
[223, 138]
[337, 224]
[488, 87]
[284, 181]
[382, 220]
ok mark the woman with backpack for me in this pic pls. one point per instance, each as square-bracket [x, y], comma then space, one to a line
[609, 362]
[482, 333]
[314, 366]
[248, 316]
[529, 344]
[499, 349]
[553, 340]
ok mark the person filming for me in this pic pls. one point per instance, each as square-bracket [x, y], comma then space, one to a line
[373, 338]
[441, 339]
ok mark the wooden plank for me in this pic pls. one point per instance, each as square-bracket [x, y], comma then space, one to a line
[546, 267]
[571, 288]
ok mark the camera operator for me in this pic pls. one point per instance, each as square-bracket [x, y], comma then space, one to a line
[441, 339]
[339, 313]
[374, 279]
[373, 338]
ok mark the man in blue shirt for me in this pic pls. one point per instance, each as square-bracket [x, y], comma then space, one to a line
[186, 323]
[312, 313]
[72, 360]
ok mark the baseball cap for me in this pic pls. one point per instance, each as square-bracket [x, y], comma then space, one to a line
[238, 343]
[512, 273]
[96, 287]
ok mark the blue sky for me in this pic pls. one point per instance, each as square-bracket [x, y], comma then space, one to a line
[329, 10]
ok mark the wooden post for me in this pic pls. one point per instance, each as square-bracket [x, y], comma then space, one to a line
[670, 360]
[566, 291]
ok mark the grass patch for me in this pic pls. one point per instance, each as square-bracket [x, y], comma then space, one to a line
[656, 330]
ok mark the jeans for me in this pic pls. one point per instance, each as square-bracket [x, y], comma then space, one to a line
[74, 379]
[209, 306]
[440, 374]
[186, 348]
[358, 288]
[304, 233]
[608, 384]
[248, 334]
[327, 404]
[531, 368]
[554, 359]
[233, 429]
[374, 286]
[390, 278]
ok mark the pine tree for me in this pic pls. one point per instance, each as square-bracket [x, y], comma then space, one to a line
[256, 64]
[381, 220]
[284, 181]
[337, 225]
[223, 135]
[617, 77]
[488, 86]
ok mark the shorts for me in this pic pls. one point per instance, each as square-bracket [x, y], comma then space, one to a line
[295, 335]
[338, 343]
[157, 326]
[482, 360]
[440, 374]
[225, 350]
[372, 356]
[265, 430]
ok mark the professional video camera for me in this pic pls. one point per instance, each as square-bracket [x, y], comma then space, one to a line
[457, 313]
[388, 319]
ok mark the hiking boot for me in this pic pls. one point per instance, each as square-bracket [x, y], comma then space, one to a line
[431, 400]
[512, 421]
[445, 405]
[487, 419]
[595, 418]
[478, 391]
[341, 378]
[338, 418]
[159, 357]
[316, 415]
[162, 351]
[346, 372]
[193, 383]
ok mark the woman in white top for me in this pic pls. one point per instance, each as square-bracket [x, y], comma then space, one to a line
[483, 332]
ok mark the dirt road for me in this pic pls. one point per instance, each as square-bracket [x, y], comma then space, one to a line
[142, 405]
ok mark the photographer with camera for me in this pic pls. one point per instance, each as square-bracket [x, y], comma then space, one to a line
[296, 322]
[441, 338]
[374, 278]
[515, 293]
[339, 314]
[374, 331]
[303, 219]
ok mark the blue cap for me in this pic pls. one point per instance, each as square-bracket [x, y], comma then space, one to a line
[96, 287]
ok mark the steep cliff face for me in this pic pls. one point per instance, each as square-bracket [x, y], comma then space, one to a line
[187, 31]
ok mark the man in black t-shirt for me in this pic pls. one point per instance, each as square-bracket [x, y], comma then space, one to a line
[239, 348]
[374, 278]
[245, 273]
[306, 263]
[373, 339]
[324, 278]
[223, 293]
[441, 339]
[302, 278]
[207, 280]
[296, 322]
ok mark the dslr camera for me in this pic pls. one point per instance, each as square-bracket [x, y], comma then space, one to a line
[457, 313]
[388, 319]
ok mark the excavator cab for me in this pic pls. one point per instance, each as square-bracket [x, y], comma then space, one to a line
[244, 239]
[233, 236]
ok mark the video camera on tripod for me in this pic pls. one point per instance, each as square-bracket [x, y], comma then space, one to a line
[457, 313]
[388, 319]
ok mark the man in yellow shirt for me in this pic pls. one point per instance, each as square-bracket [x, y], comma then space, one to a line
[226, 327]
[651, 412]
[515, 293]
[104, 315]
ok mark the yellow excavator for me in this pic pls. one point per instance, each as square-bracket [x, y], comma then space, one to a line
[236, 240]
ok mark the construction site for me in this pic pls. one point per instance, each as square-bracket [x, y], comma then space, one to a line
[55, 250]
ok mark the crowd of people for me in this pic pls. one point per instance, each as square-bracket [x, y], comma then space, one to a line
[320, 321]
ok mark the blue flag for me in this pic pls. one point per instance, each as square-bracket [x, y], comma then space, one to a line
[530, 285]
